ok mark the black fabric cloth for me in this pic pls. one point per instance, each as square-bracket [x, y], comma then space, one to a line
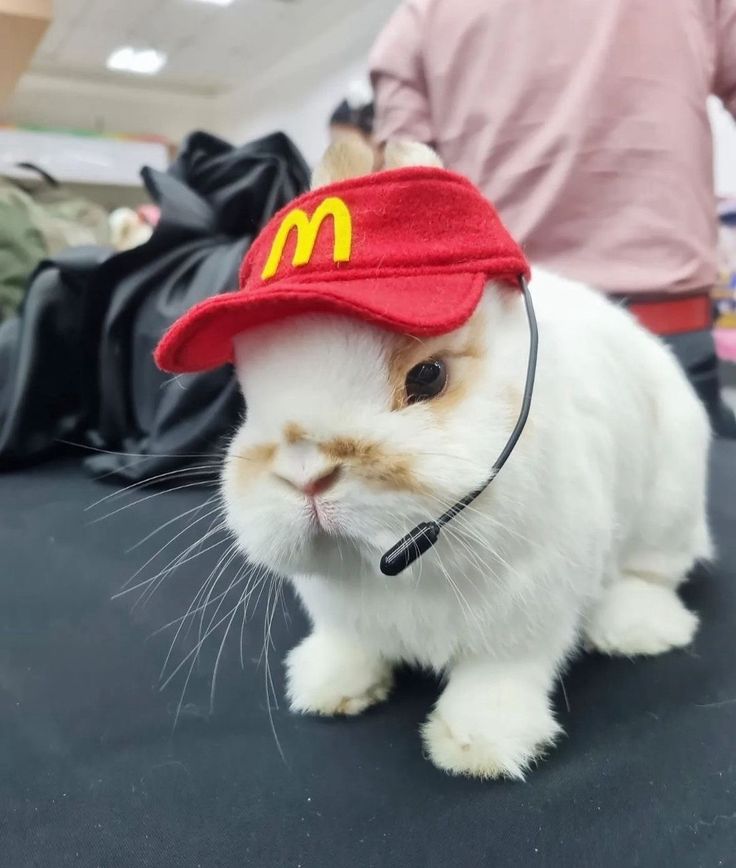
[94, 773]
[48, 380]
[77, 364]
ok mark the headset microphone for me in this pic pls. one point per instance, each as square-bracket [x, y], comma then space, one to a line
[425, 535]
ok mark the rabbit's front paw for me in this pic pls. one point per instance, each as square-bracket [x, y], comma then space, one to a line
[496, 731]
[329, 674]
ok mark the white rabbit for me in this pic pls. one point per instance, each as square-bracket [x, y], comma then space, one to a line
[585, 535]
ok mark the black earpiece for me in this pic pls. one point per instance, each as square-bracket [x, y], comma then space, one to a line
[409, 548]
[425, 535]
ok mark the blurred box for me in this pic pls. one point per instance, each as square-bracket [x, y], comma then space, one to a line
[22, 26]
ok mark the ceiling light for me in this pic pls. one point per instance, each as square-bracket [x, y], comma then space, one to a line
[145, 61]
[216, 2]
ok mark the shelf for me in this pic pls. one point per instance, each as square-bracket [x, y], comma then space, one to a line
[79, 158]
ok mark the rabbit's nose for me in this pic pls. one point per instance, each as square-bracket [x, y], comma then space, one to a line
[314, 485]
[322, 483]
[303, 467]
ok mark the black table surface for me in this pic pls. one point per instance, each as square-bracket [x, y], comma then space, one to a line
[98, 768]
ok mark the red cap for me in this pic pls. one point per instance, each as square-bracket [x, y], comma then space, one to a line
[407, 249]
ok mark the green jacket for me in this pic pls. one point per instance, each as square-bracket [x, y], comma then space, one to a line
[40, 224]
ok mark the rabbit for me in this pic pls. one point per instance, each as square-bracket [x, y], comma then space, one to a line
[354, 435]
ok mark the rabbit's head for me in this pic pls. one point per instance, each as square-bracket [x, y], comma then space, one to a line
[355, 433]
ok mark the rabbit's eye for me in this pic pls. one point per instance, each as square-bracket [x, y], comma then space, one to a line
[425, 381]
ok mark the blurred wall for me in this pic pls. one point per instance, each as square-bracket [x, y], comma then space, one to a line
[78, 103]
[297, 97]
[302, 112]
[724, 141]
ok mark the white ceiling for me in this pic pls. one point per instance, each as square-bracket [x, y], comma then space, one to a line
[211, 49]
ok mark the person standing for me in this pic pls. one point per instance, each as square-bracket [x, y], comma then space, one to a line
[586, 125]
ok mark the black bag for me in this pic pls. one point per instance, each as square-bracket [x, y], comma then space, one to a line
[48, 359]
[214, 200]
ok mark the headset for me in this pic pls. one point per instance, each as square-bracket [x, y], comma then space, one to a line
[421, 539]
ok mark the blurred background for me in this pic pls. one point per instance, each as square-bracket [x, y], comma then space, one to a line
[143, 146]
[238, 69]
[144, 143]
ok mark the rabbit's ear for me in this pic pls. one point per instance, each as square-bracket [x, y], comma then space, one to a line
[348, 157]
[404, 152]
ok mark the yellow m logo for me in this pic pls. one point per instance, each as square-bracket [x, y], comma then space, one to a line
[307, 229]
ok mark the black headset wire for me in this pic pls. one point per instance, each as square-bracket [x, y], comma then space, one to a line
[425, 535]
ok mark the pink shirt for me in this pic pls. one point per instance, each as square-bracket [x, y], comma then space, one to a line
[584, 121]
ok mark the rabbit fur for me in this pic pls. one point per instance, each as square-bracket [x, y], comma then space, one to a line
[583, 539]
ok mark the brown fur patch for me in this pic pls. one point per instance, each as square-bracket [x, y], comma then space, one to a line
[462, 350]
[373, 463]
[394, 472]
[400, 362]
[348, 449]
[293, 433]
[253, 461]
[348, 157]
[263, 453]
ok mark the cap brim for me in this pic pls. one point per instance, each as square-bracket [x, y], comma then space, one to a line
[423, 305]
